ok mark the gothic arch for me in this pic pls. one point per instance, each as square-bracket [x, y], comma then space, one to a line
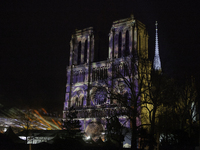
[77, 97]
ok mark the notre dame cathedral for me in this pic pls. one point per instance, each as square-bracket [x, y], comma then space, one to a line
[127, 38]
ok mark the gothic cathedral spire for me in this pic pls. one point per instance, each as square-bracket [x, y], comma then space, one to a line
[156, 62]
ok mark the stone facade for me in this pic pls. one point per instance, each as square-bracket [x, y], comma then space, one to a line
[88, 81]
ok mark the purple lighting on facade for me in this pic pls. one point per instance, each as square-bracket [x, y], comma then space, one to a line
[88, 81]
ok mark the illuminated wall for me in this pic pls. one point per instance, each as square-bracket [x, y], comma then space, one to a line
[127, 38]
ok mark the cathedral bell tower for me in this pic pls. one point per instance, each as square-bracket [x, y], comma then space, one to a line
[128, 37]
[81, 56]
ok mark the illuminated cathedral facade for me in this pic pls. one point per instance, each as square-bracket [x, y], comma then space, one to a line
[85, 77]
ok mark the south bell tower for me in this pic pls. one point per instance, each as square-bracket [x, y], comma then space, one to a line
[128, 37]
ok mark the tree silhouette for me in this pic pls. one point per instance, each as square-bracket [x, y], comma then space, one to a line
[125, 86]
[71, 124]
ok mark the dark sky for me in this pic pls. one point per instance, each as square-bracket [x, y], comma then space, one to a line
[35, 35]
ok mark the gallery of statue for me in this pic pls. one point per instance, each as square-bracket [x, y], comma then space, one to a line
[88, 80]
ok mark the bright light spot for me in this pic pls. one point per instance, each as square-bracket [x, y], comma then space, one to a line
[87, 138]
[22, 137]
[5, 129]
[126, 145]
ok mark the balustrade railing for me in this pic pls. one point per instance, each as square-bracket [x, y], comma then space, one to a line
[95, 113]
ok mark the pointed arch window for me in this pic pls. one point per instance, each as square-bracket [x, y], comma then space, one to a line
[93, 75]
[120, 45]
[82, 101]
[76, 102]
[127, 51]
[79, 53]
[85, 51]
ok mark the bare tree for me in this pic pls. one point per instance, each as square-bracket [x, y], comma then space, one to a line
[187, 104]
[26, 121]
[71, 124]
[178, 116]
[126, 84]
[155, 98]
[141, 90]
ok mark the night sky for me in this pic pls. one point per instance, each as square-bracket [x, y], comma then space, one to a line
[35, 35]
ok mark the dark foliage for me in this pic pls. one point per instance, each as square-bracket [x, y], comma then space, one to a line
[71, 124]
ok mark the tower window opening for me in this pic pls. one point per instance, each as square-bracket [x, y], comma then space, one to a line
[79, 53]
[81, 76]
[126, 52]
[98, 74]
[93, 72]
[85, 51]
[101, 74]
[120, 45]
[105, 73]
[84, 76]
